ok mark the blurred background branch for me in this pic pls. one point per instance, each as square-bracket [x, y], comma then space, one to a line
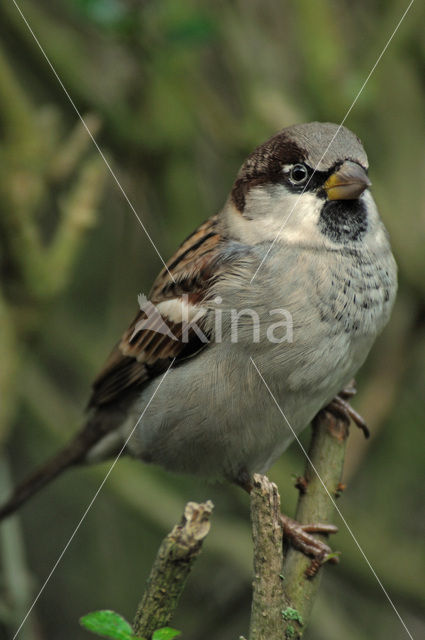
[49, 196]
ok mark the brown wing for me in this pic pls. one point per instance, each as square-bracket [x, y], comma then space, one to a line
[153, 339]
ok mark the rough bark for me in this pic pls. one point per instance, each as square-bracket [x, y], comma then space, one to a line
[171, 568]
[326, 455]
[267, 600]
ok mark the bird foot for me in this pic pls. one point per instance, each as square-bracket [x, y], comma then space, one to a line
[341, 408]
[300, 537]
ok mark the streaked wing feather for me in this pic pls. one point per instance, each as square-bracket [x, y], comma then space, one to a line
[144, 353]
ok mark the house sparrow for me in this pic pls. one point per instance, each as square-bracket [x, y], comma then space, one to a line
[299, 232]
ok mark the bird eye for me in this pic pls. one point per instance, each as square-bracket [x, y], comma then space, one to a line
[298, 174]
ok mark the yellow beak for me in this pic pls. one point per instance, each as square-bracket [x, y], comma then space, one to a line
[348, 183]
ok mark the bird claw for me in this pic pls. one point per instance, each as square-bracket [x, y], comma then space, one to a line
[341, 408]
[300, 537]
[349, 391]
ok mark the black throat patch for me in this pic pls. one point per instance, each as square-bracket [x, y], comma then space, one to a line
[342, 220]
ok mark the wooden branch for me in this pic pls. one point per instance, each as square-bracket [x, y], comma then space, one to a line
[268, 597]
[172, 566]
[326, 453]
[283, 592]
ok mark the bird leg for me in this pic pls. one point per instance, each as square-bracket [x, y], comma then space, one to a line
[300, 536]
[341, 408]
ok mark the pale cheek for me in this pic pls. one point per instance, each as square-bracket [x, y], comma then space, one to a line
[253, 227]
[299, 217]
[275, 214]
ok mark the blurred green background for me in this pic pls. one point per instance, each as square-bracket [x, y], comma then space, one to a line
[177, 94]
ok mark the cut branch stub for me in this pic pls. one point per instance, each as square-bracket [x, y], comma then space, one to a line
[171, 568]
[268, 596]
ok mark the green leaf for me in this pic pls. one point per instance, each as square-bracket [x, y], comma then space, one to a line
[166, 633]
[109, 624]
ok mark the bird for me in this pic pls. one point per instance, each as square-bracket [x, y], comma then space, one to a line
[299, 234]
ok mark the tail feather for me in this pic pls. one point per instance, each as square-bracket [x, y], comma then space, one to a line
[73, 453]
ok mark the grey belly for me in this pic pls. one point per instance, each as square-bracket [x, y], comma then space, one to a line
[213, 416]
